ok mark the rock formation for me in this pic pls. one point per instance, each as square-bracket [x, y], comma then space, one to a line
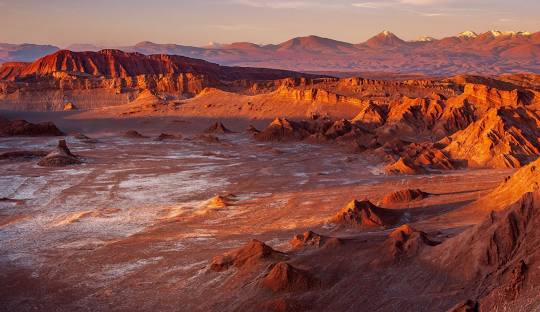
[311, 239]
[509, 191]
[166, 137]
[60, 157]
[405, 242]
[208, 138]
[404, 196]
[283, 277]
[252, 130]
[216, 203]
[133, 134]
[420, 158]
[84, 138]
[115, 77]
[217, 128]
[365, 214]
[25, 128]
[283, 130]
[499, 251]
[412, 117]
[504, 138]
[69, 106]
[371, 116]
[246, 257]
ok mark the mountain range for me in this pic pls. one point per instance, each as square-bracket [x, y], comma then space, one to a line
[492, 52]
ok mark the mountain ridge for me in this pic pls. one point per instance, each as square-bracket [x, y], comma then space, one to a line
[492, 52]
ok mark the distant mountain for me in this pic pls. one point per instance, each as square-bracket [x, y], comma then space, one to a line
[385, 39]
[314, 44]
[492, 52]
[147, 47]
[24, 52]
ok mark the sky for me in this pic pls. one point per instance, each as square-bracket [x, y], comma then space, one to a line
[198, 22]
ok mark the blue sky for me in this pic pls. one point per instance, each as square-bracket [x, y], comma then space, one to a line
[63, 22]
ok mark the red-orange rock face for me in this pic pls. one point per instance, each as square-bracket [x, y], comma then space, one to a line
[248, 256]
[503, 138]
[118, 77]
[366, 214]
[404, 196]
[285, 277]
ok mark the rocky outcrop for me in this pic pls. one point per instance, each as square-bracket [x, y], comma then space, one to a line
[338, 128]
[252, 130]
[25, 128]
[419, 159]
[133, 134]
[317, 131]
[509, 191]
[316, 95]
[311, 239]
[371, 116]
[217, 128]
[283, 277]
[404, 196]
[364, 214]
[499, 256]
[216, 203]
[405, 242]
[246, 257]
[221, 201]
[498, 249]
[11, 70]
[60, 157]
[282, 129]
[504, 138]
[411, 117]
[167, 137]
[207, 138]
[69, 106]
[85, 139]
[493, 97]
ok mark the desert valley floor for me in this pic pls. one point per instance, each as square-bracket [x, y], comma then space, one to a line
[137, 225]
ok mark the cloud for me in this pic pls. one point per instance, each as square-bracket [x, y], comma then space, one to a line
[235, 27]
[287, 4]
[433, 14]
[421, 2]
[424, 8]
[370, 5]
[280, 4]
[398, 3]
